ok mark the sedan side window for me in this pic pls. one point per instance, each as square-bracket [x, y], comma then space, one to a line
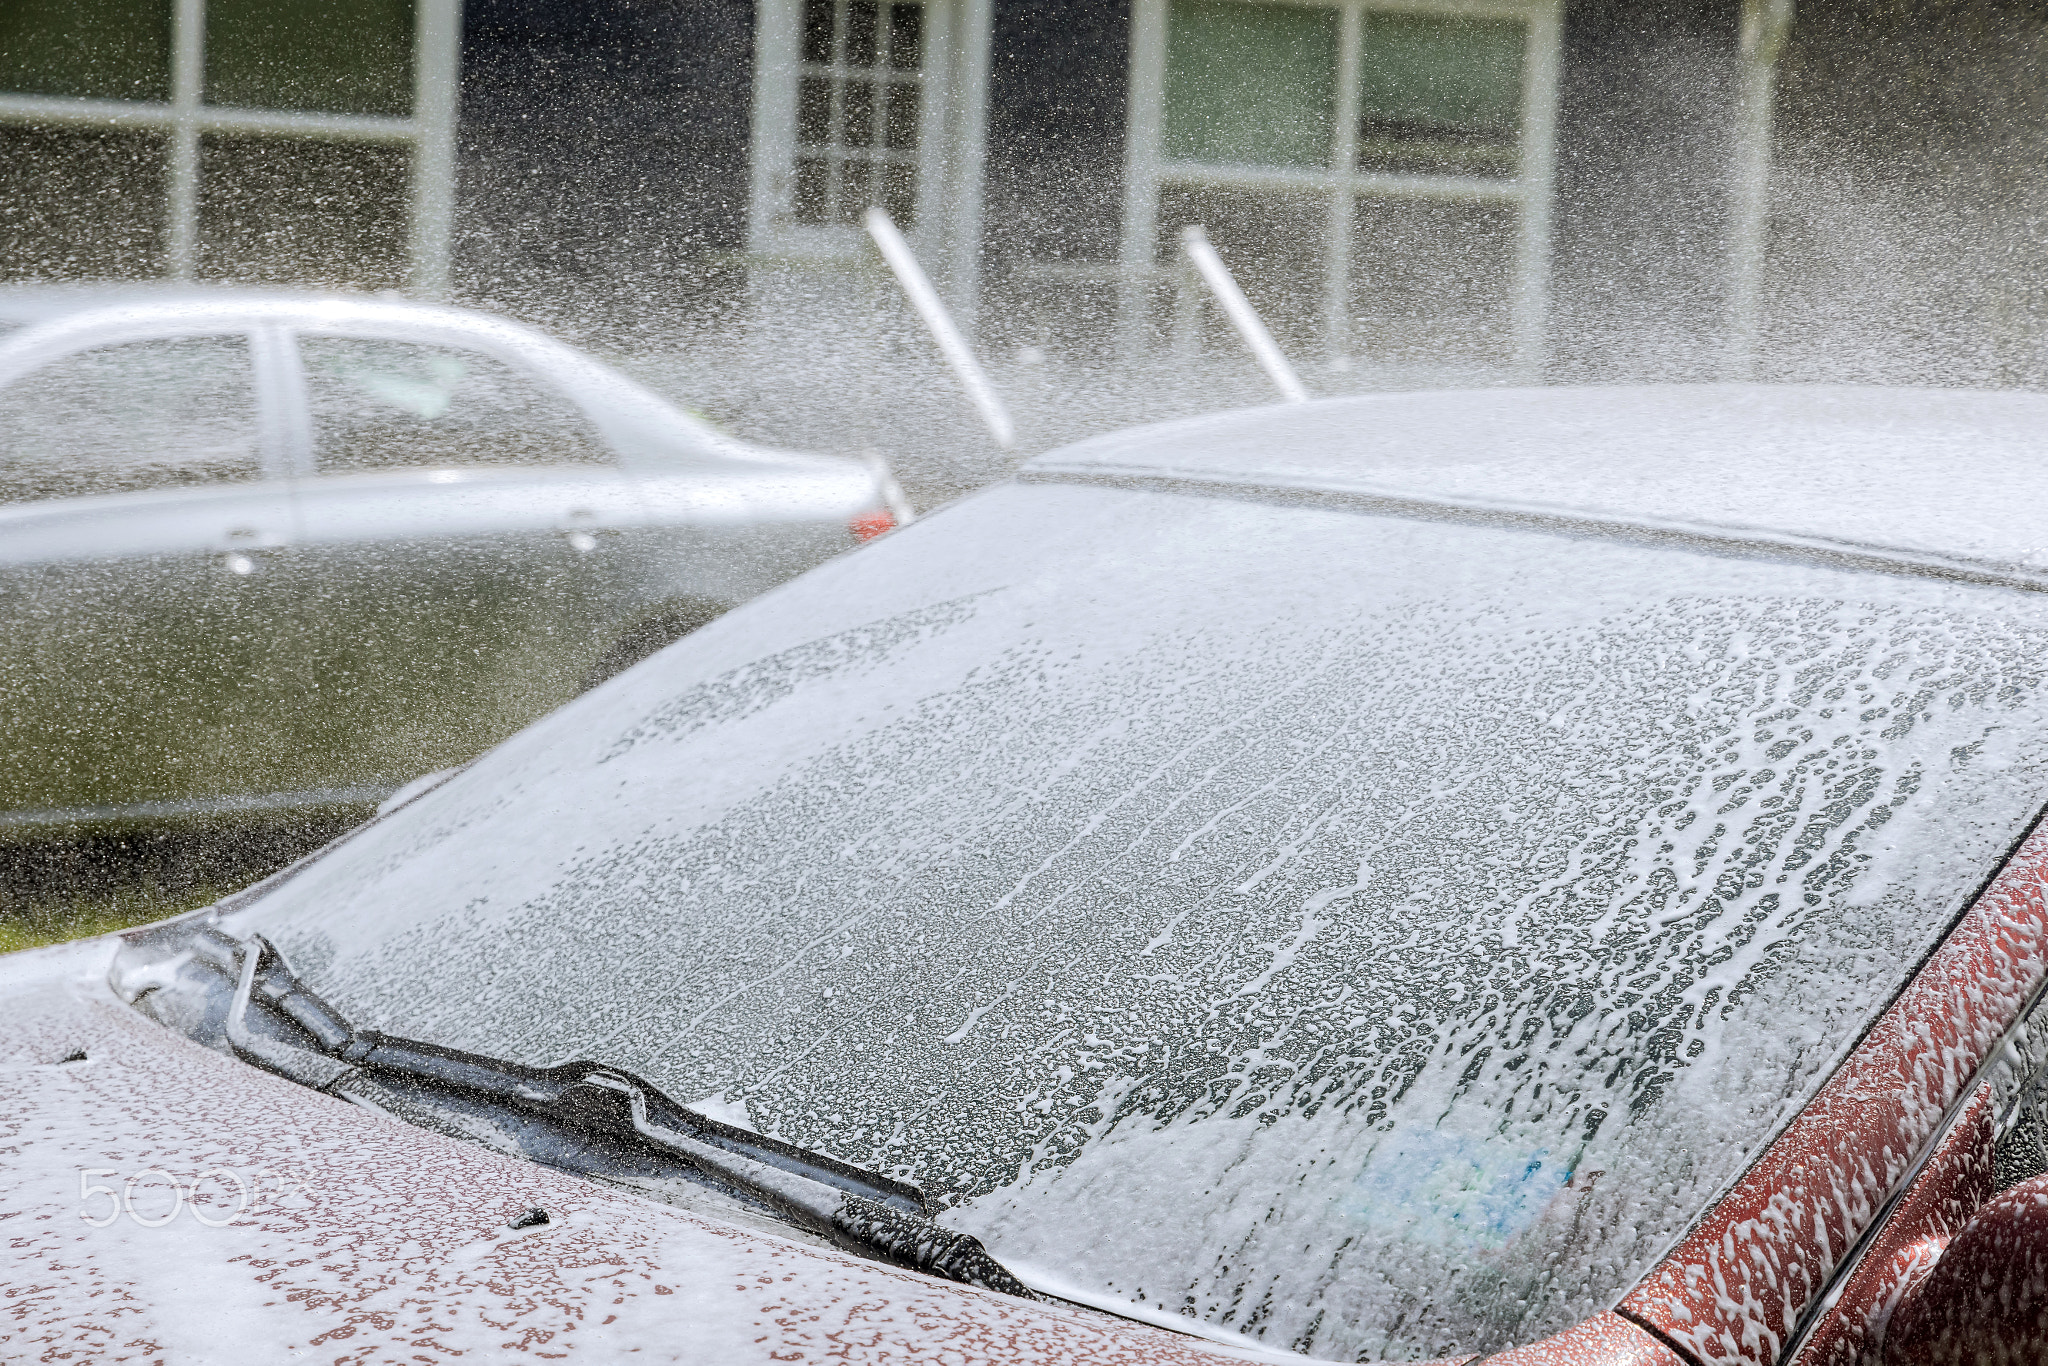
[2020, 1100]
[141, 415]
[2023, 1147]
[379, 404]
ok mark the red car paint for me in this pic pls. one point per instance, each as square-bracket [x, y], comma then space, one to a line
[1735, 1287]
[1957, 1180]
[1603, 1340]
[1986, 1301]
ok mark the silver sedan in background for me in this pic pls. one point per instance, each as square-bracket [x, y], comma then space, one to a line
[277, 551]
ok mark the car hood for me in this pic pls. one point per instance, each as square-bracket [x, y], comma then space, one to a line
[361, 1238]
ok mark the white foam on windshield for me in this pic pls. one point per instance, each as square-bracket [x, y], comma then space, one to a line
[1372, 935]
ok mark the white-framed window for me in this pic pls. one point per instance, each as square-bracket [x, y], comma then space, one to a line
[860, 111]
[219, 134]
[1377, 172]
[869, 102]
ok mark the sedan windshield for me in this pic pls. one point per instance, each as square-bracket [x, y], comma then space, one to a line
[1377, 935]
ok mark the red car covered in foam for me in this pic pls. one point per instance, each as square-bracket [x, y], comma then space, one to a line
[1551, 876]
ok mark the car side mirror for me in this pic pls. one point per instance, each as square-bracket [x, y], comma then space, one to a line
[1985, 1303]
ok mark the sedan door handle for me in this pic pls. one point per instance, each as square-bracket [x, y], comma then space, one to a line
[580, 527]
[243, 545]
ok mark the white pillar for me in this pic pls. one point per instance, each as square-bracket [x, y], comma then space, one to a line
[188, 73]
[1538, 188]
[436, 102]
[1764, 26]
[970, 157]
[1138, 252]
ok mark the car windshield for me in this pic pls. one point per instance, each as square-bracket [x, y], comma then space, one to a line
[1378, 935]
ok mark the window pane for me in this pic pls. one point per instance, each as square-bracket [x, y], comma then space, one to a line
[147, 414]
[280, 210]
[814, 111]
[1250, 83]
[395, 405]
[853, 190]
[813, 189]
[899, 194]
[1441, 94]
[902, 120]
[859, 119]
[860, 33]
[818, 31]
[339, 56]
[906, 36]
[2021, 1152]
[80, 204]
[99, 49]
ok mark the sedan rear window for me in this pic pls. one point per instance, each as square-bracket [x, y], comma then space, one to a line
[379, 403]
[140, 415]
[1376, 935]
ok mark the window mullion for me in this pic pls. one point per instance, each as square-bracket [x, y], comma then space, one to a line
[437, 48]
[1343, 163]
[1138, 249]
[1535, 172]
[835, 120]
[188, 75]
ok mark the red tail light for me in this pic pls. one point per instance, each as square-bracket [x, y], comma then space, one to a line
[869, 525]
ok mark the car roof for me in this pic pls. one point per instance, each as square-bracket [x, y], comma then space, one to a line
[87, 304]
[35, 303]
[1939, 476]
[39, 302]
[50, 320]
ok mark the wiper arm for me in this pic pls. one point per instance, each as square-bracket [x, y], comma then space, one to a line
[583, 1117]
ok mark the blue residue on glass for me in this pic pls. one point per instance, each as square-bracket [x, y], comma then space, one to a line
[1455, 1190]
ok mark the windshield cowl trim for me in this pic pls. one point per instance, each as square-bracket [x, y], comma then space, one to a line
[589, 1118]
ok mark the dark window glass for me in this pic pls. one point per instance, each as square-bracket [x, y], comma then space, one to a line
[2021, 1153]
[277, 209]
[860, 33]
[813, 189]
[338, 56]
[380, 404]
[853, 190]
[1440, 94]
[81, 203]
[858, 123]
[174, 410]
[906, 36]
[899, 193]
[902, 120]
[814, 111]
[818, 31]
[98, 49]
[1250, 84]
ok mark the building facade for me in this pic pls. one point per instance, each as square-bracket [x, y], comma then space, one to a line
[1412, 191]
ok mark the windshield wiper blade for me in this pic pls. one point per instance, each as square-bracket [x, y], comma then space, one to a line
[585, 1117]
